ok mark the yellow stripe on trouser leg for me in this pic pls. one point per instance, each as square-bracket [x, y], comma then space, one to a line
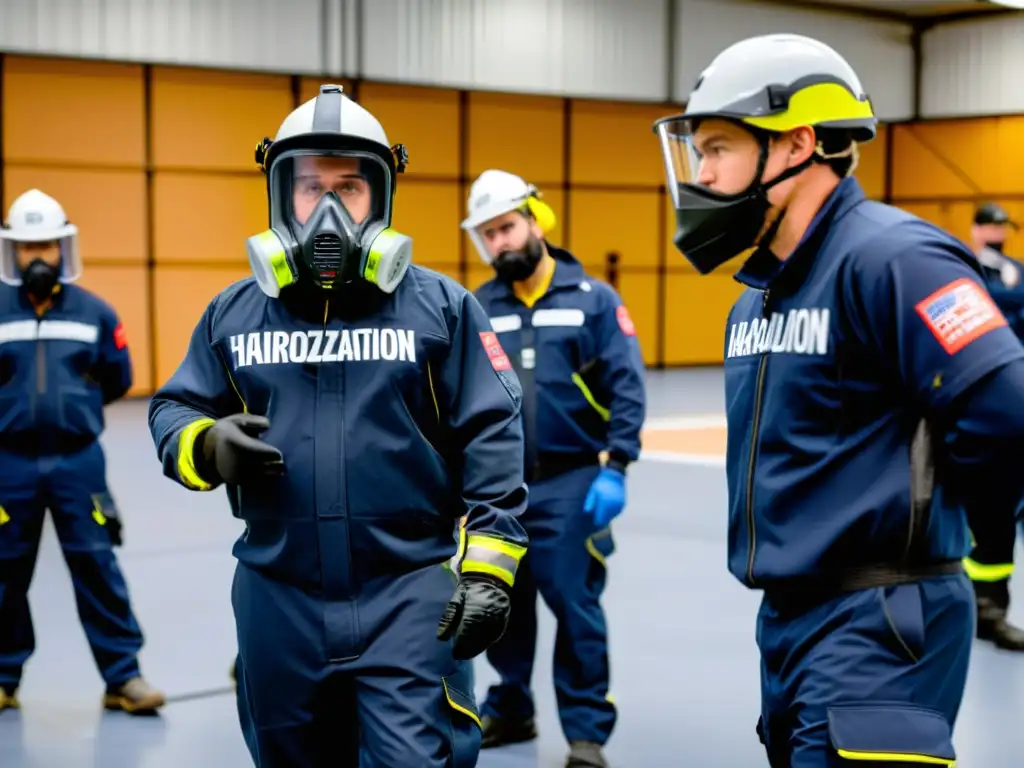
[497, 557]
[989, 573]
[895, 757]
[186, 462]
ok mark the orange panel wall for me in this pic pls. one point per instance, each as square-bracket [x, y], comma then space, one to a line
[125, 287]
[943, 169]
[425, 120]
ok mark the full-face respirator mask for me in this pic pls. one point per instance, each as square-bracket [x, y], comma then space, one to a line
[330, 198]
[328, 245]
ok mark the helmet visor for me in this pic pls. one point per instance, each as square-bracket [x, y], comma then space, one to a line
[300, 179]
[16, 252]
[718, 156]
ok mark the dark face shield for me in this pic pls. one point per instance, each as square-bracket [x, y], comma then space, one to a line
[714, 169]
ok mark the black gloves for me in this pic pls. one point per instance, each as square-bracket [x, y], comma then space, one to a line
[476, 616]
[229, 451]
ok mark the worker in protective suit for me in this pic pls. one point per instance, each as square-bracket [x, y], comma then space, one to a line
[63, 357]
[356, 407]
[864, 353]
[572, 344]
[990, 564]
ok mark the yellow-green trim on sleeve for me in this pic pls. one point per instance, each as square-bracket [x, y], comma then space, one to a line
[603, 412]
[187, 472]
[491, 555]
[990, 573]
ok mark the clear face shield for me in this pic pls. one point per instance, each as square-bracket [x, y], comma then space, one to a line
[721, 159]
[485, 224]
[329, 215]
[51, 258]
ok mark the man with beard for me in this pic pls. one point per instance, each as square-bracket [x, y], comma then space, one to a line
[571, 341]
[991, 562]
[63, 357]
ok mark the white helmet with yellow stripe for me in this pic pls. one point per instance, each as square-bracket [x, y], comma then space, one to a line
[769, 85]
[496, 193]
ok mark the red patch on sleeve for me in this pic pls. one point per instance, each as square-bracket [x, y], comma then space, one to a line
[959, 313]
[625, 321]
[120, 336]
[496, 354]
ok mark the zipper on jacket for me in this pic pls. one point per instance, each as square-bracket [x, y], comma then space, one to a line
[758, 393]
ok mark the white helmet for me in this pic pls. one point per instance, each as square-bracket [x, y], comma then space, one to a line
[767, 84]
[496, 193]
[35, 217]
[331, 178]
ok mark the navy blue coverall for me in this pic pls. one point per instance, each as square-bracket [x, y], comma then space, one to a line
[57, 371]
[579, 362]
[392, 427]
[853, 369]
[990, 564]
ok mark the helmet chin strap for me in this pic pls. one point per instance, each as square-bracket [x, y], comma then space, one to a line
[766, 239]
[819, 155]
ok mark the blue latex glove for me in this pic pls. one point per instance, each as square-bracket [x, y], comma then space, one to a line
[606, 497]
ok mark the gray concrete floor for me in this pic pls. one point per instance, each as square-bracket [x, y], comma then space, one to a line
[684, 661]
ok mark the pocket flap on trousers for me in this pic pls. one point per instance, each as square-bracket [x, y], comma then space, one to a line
[897, 734]
[459, 700]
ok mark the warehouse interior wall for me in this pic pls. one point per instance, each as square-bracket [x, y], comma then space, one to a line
[155, 164]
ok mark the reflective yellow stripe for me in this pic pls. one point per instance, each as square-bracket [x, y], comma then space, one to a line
[592, 549]
[497, 557]
[4, 517]
[981, 572]
[895, 757]
[97, 513]
[186, 464]
[245, 407]
[459, 708]
[433, 393]
[602, 411]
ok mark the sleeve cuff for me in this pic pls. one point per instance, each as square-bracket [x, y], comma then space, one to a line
[187, 472]
[493, 556]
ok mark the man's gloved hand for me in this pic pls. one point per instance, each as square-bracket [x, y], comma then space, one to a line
[476, 616]
[606, 497]
[229, 451]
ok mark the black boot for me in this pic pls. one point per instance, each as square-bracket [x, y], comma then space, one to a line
[500, 731]
[585, 754]
[993, 627]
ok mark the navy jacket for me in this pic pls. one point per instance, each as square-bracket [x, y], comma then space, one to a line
[392, 427]
[578, 359]
[58, 369]
[834, 359]
[1005, 279]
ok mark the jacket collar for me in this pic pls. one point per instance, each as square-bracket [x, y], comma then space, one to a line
[763, 268]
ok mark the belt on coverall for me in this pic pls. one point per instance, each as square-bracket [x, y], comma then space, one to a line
[806, 592]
